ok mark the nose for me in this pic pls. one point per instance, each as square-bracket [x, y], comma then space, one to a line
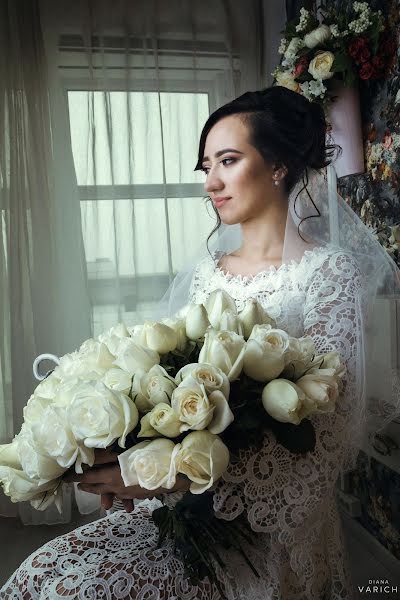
[213, 182]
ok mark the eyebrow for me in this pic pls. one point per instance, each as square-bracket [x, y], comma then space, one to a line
[221, 152]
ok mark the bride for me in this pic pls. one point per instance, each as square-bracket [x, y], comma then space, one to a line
[255, 152]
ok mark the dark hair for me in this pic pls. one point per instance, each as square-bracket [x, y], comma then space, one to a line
[285, 127]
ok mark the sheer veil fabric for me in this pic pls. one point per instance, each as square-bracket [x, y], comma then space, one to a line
[318, 217]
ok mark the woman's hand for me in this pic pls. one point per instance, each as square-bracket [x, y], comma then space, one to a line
[104, 478]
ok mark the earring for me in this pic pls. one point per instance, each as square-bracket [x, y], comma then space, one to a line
[276, 182]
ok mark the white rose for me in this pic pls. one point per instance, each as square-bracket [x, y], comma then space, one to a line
[118, 380]
[285, 401]
[321, 389]
[98, 416]
[197, 410]
[9, 455]
[150, 464]
[53, 436]
[331, 360]
[164, 419]
[320, 66]
[48, 387]
[35, 464]
[224, 350]
[286, 79]
[34, 410]
[156, 336]
[211, 377]
[132, 357]
[202, 457]
[230, 322]
[149, 389]
[89, 363]
[216, 303]
[197, 322]
[254, 314]
[21, 488]
[179, 326]
[298, 357]
[146, 430]
[264, 354]
[112, 337]
[318, 36]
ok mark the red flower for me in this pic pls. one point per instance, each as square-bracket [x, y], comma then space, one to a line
[379, 66]
[356, 46]
[366, 71]
[364, 55]
[301, 66]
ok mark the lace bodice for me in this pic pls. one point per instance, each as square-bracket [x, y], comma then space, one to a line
[289, 500]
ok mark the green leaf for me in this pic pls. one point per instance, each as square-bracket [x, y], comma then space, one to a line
[342, 62]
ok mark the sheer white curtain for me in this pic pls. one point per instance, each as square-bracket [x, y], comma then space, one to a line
[139, 80]
[100, 123]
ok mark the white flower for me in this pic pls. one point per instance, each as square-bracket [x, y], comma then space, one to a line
[330, 361]
[33, 462]
[285, 401]
[179, 326]
[224, 350]
[320, 66]
[21, 488]
[253, 314]
[9, 455]
[286, 79]
[132, 357]
[118, 380]
[304, 16]
[112, 337]
[197, 322]
[313, 89]
[294, 46]
[151, 388]
[53, 436]
[320, 35]
[202, 457]
[196, 410]
[321, 389]
[216, 303]
[35, 408]
[230, 322]
[298, 357]
[48, 387]
[150, 464]
[265, 351]
[155, 336]
[89, 363]
[211, 377]
[164, 420]
[146, 430]
[98, 416]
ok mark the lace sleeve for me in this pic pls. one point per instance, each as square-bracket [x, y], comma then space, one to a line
[285, 495]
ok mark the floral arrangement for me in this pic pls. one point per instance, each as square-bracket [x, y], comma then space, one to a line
[343, 45]
[180, 398]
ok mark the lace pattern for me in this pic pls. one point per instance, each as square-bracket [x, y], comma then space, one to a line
[289, 500]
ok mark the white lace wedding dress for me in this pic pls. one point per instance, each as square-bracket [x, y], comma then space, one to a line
[288, 499]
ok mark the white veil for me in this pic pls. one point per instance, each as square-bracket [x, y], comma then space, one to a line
[318, 216]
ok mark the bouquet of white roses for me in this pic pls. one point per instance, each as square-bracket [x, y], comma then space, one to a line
[178, 398]
[342, 44]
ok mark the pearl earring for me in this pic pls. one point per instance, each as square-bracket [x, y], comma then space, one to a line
[276, 182]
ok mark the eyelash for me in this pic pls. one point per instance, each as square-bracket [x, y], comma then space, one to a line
[232, 160]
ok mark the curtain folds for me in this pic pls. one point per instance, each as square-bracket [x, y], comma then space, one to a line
[101, 105]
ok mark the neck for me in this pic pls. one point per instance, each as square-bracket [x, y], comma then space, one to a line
[263, 237]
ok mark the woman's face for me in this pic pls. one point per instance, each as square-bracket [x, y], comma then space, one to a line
[239, 182]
